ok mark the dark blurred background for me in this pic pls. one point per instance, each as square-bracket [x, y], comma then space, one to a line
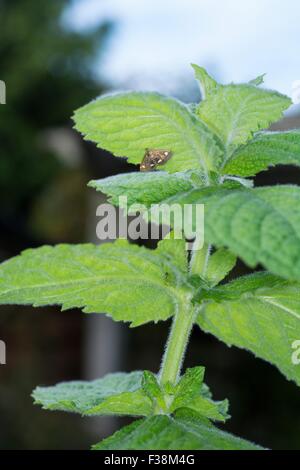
[52, 63]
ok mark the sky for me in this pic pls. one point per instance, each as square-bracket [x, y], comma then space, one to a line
[155, 41]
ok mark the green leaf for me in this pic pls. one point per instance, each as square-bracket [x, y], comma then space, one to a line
[220, 264]
[260, 313]
[260, 225]
[173, 250]
[118, 394]
[253, 224]
[188, 394]
[207, 83]
[213, 410]
[145, 187]
[89, 277]
[135, 192]
[134, 394]
[234, 112]
[189, 385]
[258, 80]
[266, 149]
[185, 431]
[152, 389]
[128, 123]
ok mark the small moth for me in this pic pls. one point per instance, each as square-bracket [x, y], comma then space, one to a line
[154, 157]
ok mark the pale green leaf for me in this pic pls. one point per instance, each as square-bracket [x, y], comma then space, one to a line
[153, 390]
[260, 313]
[127, 282]
[144, 187]
[199, 262]
[258, 80]
[134, 394]
[235, 112]
[127, 124]
[189, 384]
[188, 394]
[265, 150]
[260, 225]
[173, 252]
[118, 394]
[206, 82]
[220, 264]
[135, 192]
[213, 410]
[184, 432]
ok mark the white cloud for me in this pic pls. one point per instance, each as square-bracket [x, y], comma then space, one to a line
[156, 40]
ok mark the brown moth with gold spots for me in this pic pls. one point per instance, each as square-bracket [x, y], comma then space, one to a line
[153, 158]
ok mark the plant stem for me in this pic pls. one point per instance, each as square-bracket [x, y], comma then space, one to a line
[182, 324]
[199, 260]
[177, 343]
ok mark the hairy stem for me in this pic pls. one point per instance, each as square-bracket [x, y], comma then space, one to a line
[199, 260]
[182, 324]
[177, 343]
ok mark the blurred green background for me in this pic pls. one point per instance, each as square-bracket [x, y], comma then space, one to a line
[49, 71]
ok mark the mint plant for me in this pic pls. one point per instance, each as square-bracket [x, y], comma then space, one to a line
[216, 145]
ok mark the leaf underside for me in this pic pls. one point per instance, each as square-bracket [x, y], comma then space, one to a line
[260, 225]
[89, 277]
[118, 394]
[134, 394]
[260, 313]
[183, 432]
[265, 150]
[143, 188]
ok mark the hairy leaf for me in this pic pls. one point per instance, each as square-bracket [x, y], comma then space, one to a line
[152, 389]
[220, 264]
[190, 384]
[144, 188]
[127, 124]
[260, 313]
[136, 191]
[118, 394]
[266, 149]
[189, 394]
[234, 112]
[260, 225]
[134, 394]
[90, 277]
[259, 80]
[173, 253]
[206, 82]
[185, 431]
